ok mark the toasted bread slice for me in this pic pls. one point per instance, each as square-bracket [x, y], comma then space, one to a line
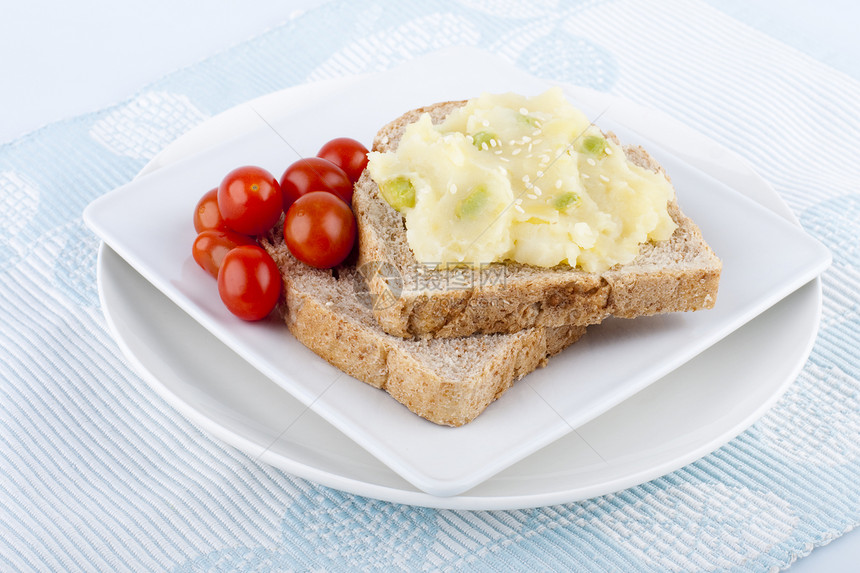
[446, 381]
[679, 274]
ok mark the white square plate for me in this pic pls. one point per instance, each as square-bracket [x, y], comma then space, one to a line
[148, 222]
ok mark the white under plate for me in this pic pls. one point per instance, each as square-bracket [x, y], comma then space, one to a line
[678, 419]
[147, 222]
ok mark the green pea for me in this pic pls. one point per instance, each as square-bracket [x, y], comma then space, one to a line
[565, 200]
[528, 120]
[483, 138]
[473, 204]
[593, 145]
[399, 193]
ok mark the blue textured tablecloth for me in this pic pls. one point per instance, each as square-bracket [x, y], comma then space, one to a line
[97, 473]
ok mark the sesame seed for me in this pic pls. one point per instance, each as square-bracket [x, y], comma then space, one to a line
[516, 151]
[526, 139]
[537, 190]
[532, 196]
[385, 139]
[498, 152]
[604, 178]
[486, 123]
[530, 147]
[608, 150]
[484, 146]
[558, 183]
[493, 142]
[470, 139]
[536, 132]
[505, 159]
[520, 209]
[539, 173]
[524, 111]
[526, 178]
[586, 176]
[591, 162]
[452, 188]
[518, 201]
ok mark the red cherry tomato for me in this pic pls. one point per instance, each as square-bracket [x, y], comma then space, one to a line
[211, 246]
[249, 282]
[207, 216]
[348, 154]
[250, 201]
[314, 174]
[320, 230]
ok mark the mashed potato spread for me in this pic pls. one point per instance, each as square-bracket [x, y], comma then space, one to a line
[526, 179]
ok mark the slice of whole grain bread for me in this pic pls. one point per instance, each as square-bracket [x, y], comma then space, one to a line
[679, 274]
[446, 381]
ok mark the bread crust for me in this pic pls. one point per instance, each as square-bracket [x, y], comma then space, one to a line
[448, 382]
[680, 274]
